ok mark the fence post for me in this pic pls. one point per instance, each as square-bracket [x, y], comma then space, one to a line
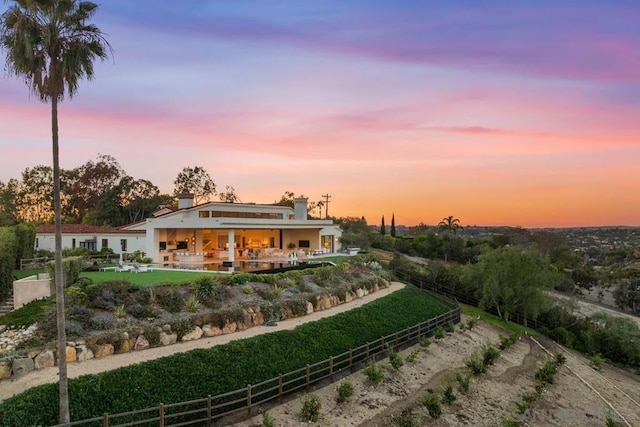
[396, 341]
[161, 415]
[279, 388]
[105, 420]
[331, 368]
[249, 399]
[209, 410]
[351, 360]
[367, 350]
[308, 378]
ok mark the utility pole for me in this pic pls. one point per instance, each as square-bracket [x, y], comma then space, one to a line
[326, 205]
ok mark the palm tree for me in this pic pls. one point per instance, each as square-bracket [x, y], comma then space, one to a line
[50, 44]
[450, 224]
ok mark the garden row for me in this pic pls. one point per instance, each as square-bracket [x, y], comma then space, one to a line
[199, 373]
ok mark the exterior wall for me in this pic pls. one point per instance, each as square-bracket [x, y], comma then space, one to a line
[295, 236]
[30, 289]
[135, 241]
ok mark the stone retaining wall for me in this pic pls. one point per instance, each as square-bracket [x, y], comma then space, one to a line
[204, 326]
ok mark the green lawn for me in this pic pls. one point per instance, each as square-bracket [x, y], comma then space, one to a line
[156, 277]
[491, 319]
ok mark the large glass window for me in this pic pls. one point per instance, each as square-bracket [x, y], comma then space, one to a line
[253, 215]
[203, 214]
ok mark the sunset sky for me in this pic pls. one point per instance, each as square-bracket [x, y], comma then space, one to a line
[500, 113]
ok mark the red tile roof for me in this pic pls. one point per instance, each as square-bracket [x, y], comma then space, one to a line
[84, 229]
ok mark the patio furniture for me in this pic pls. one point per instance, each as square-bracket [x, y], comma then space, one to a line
[121, 267]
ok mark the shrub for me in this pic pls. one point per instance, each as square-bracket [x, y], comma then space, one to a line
[448, 396]
[510, 422]
[464, 381]
[83, 282]
[345, 391]
[506, 342]
[192, 304]
[489, 355]
[413, 356]
[311, 409]
[268, 420]
[439, 334]
[74, 329]
[597, 361]
[546, 373]
[432, 403]
[79, 313]
[471, 323]
[205, 287]
[247, 289]
[103, 321]
[152, 334]
[75, 295]
[240, 278]
[71, 269]
[407, 419]
[425, 342]
[182, 326]
[120, 311]
[170, 299]
[395, 359]
[448, 328]
[476, 365]
[374, 373]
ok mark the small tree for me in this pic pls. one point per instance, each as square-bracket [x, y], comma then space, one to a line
[383, 228]
[393, 225]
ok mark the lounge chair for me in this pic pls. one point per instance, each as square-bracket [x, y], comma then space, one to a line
[121, 267]
[141, 268]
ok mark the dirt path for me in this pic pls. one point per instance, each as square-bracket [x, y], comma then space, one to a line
[14, 386]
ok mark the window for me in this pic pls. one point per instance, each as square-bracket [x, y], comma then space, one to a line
[123, 245]
[105, 244]
[304, 244]
[88, 244]
[73, 243]
[203, 214]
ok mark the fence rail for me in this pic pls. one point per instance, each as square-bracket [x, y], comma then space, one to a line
[36, 263]
[207, 411]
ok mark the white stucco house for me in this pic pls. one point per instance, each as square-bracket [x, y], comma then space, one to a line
[213, 232]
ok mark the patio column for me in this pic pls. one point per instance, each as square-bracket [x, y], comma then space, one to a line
[232, 250]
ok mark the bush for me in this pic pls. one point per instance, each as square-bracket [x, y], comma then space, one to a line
[71, 269]
[489, 355]
[374, 373]
[471, 323]
[597, 361]
[170, 299]
[345, 391]
[205, 287]
[439, 334]
[395, 359]
[432, 403]
[192, 304]
[407, 419]
[506, 342]
[425, 343]
[464, 381]
[413, 356]
[311, 409]
[103, 321]
[476, 365]
[448, 328]
[448, 396]
[268, 420]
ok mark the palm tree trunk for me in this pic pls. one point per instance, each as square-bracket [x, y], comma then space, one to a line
[57, 209]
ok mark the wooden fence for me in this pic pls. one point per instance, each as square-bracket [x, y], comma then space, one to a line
[211, 410]
[39, 263]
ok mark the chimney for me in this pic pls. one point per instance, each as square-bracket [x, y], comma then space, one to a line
[185, 200]
[300, 208]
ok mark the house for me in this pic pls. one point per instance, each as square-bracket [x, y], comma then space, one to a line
[215, 232]
[91, 237]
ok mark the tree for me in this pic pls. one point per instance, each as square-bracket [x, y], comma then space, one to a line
[383, 228]
[196, 181]
[393, 225]
[36, 195]
[512, 280]
[51, 45]
[229, 196]
[450, 225]
[8, 202]
[627, 294]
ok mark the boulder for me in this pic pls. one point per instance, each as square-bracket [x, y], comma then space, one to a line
[326, 303]
[359, 293]
[70, 354]
[124, 346]
[259, 319]
[5, 369]
[103, 350]
[22, 366]
[83, 353]
[195, 334]
[348, 297]
[32, 354]
[211, 331]
[44, 359]
[229, 328]
[166, 328]
[142, 343]
[309, 308]
[168, 339]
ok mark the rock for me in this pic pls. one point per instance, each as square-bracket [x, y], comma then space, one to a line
[80, 342]
[195, 334]
[3, 328]
[348, 297]
[211, 331]
[309, 308]
[71, 344]
[259, 320]
[5, 369]
[168, 339]
[44, 359]
[103, 350]
[124, 336]
[83, 353]
[124, 346]
[229, 328]
[141, 343]
[70, 354]
[22, 366]
[166, 328]
[326, 303]
[33, 353]
[359, 293]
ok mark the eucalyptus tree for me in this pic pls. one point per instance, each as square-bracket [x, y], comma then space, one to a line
[52, 45]
[197, 181]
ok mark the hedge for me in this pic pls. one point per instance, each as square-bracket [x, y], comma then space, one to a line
[223, 368]
[8, 253]
[71, 269]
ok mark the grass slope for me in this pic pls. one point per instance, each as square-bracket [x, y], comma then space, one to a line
[199, 373]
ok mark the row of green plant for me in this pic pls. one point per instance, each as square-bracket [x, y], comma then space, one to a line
[234, 365]
[16, 242]
[544, 376]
